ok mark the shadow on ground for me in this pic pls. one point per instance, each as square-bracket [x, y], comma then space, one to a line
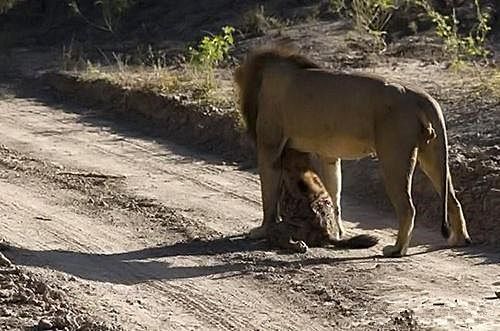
[160, 263]
[145, 264]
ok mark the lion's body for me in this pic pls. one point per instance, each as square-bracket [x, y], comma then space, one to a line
[287, 101]
[307, 210]
[314, 108]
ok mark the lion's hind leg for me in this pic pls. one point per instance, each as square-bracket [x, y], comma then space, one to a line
[397, 165]
[429, 163]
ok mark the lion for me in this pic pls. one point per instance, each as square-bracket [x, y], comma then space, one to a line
[288, 100]
[307, 211]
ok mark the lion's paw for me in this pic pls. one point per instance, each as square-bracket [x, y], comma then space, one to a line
[459, 240]
[393, 251]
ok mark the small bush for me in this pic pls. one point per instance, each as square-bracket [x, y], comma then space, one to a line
[460, 48]
[372, 16]
[212, 49]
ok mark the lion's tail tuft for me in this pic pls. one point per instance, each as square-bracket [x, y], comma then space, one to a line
[359, 241]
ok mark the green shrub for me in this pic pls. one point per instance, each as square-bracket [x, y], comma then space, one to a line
[459, 47]
[212, 49]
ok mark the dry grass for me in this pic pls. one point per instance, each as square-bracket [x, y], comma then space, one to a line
[494, 83]
[481, 81]
[186, 81]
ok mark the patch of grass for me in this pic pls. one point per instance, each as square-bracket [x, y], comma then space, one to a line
[162, 80]
[198, 80]
[477, 81]
[72, 57]
[493, 83]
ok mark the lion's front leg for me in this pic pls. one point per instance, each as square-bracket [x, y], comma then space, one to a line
[331, 175]
[270, 173]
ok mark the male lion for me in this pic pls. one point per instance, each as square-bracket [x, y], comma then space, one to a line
[287, 100]
[307, 211]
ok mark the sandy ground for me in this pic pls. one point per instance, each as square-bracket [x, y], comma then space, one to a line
[143, 234]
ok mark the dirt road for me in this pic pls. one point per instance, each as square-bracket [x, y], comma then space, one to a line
[136, 230]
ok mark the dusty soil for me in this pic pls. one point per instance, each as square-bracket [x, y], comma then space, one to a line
[143, 233]
[28, 302]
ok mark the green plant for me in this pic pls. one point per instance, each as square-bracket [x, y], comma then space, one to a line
[372, 16]
[210, 52]
[212, 49]
[460, 47]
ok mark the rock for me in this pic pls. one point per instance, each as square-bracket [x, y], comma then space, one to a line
[44, 324]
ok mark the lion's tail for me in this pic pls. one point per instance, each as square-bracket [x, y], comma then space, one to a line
[434, 127]
[359, 241]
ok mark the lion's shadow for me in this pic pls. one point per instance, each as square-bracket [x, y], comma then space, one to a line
[159, 263]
